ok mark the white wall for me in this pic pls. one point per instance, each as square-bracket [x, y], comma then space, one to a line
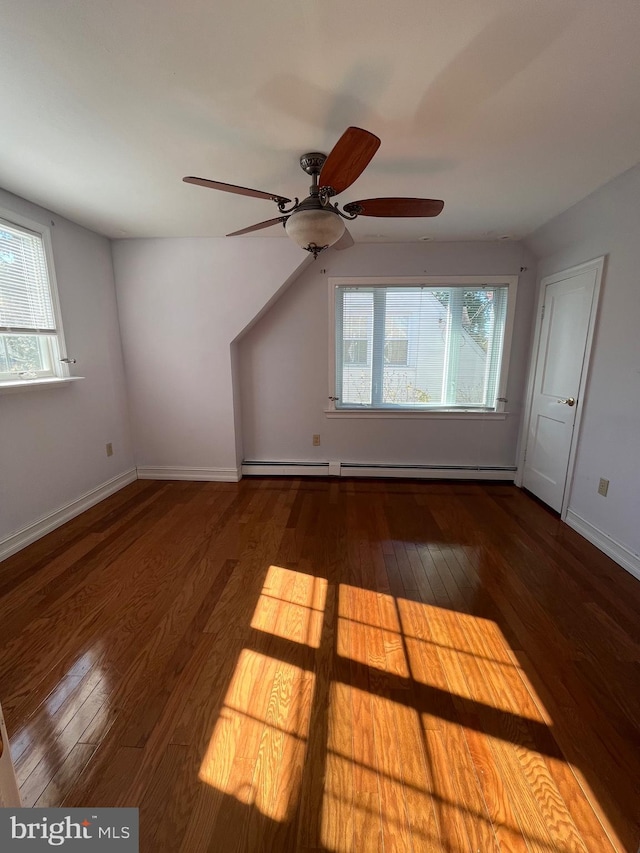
[283, 367]
[182, 303]
[52, 442]
[606, 223]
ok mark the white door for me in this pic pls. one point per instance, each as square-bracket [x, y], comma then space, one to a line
[565, 326]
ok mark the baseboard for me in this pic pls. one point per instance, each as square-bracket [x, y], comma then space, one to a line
[216, 475]
[285, 469]
[625, 558]
[17, 541]
[428, 472]
[357, 469]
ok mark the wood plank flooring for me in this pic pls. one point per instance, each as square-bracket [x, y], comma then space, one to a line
[328, 665]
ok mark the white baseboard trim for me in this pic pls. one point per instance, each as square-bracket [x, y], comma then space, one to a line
[216, 475]
[345, 469]
[625, 558]
[285, 469]
[426, 472]
[20, 539]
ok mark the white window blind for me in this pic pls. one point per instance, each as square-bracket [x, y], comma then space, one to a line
[25, 293]
[31, 342]
[419, 347]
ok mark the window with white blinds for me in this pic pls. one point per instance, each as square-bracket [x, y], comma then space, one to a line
[426, 346]
[29, 329]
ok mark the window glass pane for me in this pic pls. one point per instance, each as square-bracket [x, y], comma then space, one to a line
[414, 347]
[396, 352]
[356, 324]
[396, 333]
[24, 354]
[355, 312]
[421, 346]
[355, 352]
[396, 326]
[478, 316]
[25, 297]
[470, 380]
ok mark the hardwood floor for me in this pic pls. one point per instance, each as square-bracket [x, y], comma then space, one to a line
[327, 665]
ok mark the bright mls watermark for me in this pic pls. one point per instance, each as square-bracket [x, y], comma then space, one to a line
[69, 829]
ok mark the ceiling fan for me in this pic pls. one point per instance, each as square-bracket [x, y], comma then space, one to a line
[315, 223]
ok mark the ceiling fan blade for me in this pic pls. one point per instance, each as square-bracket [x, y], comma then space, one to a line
[345, 242]
[232, 188]
[395, 207]
[348, 159]
[266, 224]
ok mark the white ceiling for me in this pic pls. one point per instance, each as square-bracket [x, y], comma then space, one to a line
[509, 110]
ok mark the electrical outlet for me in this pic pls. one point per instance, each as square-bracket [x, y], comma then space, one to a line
[603, 488]
[109, 449]
[316, 441]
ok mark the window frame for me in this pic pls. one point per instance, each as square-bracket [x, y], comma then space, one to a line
[56, 341]
[446, 281]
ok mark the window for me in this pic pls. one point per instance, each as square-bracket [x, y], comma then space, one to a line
[422, 344]
[355, 352]
[396, 339]
[30, 330]
[357, 330]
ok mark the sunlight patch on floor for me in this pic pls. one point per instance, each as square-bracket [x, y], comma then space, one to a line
[258, 745]
[291, 606]
[375, 793]
[257, 749]
[454, 652]
[399, 663]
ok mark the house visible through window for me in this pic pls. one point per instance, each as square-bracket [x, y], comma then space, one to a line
[420, 346]
[355, 351]
[29, 327]
[356, 335]
[396, 339]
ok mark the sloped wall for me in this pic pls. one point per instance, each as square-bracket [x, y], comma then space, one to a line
[182, 302]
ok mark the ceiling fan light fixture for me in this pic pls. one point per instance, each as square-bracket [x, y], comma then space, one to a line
[315, 230]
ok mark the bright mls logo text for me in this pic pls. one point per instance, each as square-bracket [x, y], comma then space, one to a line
[79, 829]
[57, 832]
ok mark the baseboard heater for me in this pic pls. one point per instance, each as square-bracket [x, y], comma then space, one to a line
[261, 468]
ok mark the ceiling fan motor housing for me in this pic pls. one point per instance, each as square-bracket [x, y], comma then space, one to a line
[314, 225]
[312, 163]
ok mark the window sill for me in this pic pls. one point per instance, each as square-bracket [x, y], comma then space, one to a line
[27, 384]
[451, 414]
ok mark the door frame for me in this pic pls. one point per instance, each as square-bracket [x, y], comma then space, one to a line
[597, 265]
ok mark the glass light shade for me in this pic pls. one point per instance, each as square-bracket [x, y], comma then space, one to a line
[314, 228]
